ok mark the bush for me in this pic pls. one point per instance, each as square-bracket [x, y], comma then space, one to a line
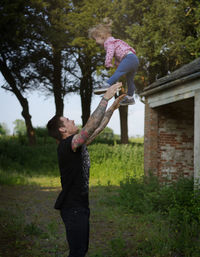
[106, 137]
[41, 132]
[23, 159]
[178, 203]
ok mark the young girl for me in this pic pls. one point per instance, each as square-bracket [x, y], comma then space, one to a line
[125, 59]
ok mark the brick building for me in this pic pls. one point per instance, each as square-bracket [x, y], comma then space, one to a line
[172, 124]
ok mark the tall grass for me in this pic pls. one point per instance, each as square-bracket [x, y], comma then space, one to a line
[111, 164]
[21, 164]
[21, 158]
[174, 208]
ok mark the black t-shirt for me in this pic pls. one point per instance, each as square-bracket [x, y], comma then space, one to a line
[74, 172]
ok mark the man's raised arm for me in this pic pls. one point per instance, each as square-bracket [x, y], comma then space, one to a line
[95, 119]
[105, 119]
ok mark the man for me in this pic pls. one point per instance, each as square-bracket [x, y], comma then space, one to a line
[74, 167]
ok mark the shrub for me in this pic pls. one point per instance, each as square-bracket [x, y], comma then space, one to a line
[21, 158]
[178, 203]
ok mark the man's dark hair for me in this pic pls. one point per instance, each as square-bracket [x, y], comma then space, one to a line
[53, 126]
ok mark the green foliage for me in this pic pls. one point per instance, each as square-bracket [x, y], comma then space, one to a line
[12, 178]
[18, 157]
[106, 136]
[178, 203]
[20, 127]
[12, 22]
[41, 132]
[113, 163]
[3, 129]
[109, 163]
[165, 34]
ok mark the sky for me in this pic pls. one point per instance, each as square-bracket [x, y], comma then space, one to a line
[42, 109]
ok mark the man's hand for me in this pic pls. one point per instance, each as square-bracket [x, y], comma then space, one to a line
[116, 103]
[105, 119]
[96, 118]
[112, 90]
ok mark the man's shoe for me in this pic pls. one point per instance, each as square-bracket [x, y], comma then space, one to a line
[101, 90]
[127, 100]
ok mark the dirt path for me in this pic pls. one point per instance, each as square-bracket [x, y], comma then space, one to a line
[30, 227]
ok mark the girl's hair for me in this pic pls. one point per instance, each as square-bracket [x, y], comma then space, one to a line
[102, 29]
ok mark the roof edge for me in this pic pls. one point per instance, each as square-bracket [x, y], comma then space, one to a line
[171, 84]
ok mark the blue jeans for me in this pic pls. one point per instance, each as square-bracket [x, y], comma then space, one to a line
[128, 66]
[76, 222]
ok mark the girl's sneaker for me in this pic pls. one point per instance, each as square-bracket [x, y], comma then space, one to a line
[127, 100]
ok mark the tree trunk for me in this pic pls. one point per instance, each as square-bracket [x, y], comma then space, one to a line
[86, 96]
[123, 114]
[27, 118]
[23, 101]
[57, 82]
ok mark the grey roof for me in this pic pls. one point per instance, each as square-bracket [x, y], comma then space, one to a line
[187, 72]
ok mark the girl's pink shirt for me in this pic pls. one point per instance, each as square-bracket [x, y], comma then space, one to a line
[117, 48]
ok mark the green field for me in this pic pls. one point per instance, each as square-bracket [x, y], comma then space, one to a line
[130, 215]
[110, 164]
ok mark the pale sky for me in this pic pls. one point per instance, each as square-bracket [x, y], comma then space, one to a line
[42, 109]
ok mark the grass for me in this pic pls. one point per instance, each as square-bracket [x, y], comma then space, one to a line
[130, 215]
[21, 164]
[112, 164]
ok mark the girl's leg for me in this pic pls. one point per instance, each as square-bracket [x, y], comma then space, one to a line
[130, 83]
[128, 64]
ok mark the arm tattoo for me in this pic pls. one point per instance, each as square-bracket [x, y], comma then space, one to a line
[103, 124]
[105, 119]
[79, 139]
[93, 122]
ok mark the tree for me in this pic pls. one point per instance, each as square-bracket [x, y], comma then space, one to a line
[52, 30]
[15, 66]
[89, 56]
[166, 35]
[20, 127]
[33, 37]
[4, 129]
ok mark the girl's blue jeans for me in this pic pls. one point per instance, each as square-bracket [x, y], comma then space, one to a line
[128, 66]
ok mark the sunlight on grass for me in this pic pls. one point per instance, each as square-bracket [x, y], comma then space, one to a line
[13, 178]
[107, 174]
[110, 164]
[45, 181]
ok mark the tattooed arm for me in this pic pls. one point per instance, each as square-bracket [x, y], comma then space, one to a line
[95, 119]
[105, 119]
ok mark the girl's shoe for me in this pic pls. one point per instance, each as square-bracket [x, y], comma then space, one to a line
[127, 100]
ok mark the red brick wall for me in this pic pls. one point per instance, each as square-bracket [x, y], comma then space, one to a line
[150, 141]
[169, 140]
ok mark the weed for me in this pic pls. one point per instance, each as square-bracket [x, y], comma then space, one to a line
[176, 203]
[52, 227]
[33, 230]
[118, 247]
